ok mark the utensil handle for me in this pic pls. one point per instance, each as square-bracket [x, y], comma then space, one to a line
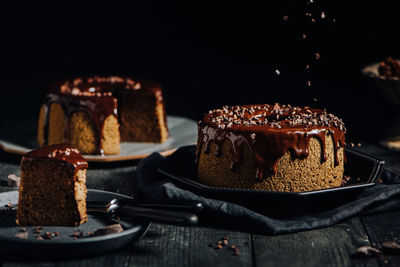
[173, 205]
[157, 215]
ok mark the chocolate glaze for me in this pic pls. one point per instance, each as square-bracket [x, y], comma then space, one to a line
[62, 152]
[269, 131]
[98, 96]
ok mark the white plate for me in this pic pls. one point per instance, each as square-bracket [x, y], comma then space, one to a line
[183, 132]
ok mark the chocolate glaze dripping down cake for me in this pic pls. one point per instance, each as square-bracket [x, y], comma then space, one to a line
[96, 113]
[52, 189]
[264, 134]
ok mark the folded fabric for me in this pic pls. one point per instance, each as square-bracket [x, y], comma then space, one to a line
[379, 198]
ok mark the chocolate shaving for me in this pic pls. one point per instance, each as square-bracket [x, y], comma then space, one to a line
[368, 251]
[110, 229]
[391, 247]
[21, 235]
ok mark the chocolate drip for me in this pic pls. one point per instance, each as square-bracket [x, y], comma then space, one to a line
[98, 108]
[97, 96]
[62, 152]
[269, 133]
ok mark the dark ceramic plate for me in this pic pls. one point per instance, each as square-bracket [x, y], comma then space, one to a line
[363, 170]
[64, 245]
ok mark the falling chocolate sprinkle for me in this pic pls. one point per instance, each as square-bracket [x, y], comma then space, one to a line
[285, 18]
[277, 72]
[309, 83]
[323, 16]
[304, 36]
[307, 67]
[317, 56]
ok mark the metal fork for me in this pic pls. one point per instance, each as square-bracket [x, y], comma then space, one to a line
[169, 212]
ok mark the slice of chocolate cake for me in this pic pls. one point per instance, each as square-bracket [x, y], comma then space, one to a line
[52, 190]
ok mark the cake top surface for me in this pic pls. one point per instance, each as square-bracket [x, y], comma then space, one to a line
[62, 152]
[389, 68]
[265, 116]
[104, 86]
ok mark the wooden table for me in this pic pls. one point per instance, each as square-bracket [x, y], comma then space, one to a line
[166, 245]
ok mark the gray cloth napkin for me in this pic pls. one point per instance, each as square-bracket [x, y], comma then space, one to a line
[379, 198]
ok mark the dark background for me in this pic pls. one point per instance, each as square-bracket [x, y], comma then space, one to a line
[207, 54]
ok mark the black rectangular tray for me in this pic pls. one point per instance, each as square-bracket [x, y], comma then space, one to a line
[363, 170]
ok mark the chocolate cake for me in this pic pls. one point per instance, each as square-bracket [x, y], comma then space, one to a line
[52, 189]
[95, 114]
[270, 147]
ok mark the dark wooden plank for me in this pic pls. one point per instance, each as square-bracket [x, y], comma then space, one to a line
[384, 227]
[167, 245]
[29, 263]
[332, 246]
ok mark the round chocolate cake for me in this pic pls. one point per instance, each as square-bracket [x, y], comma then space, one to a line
[271, 147]
[95, 114]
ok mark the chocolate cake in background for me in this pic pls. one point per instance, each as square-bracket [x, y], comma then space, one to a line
[95, 114]
[53, 187]
[389, 68]
[271, 147]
